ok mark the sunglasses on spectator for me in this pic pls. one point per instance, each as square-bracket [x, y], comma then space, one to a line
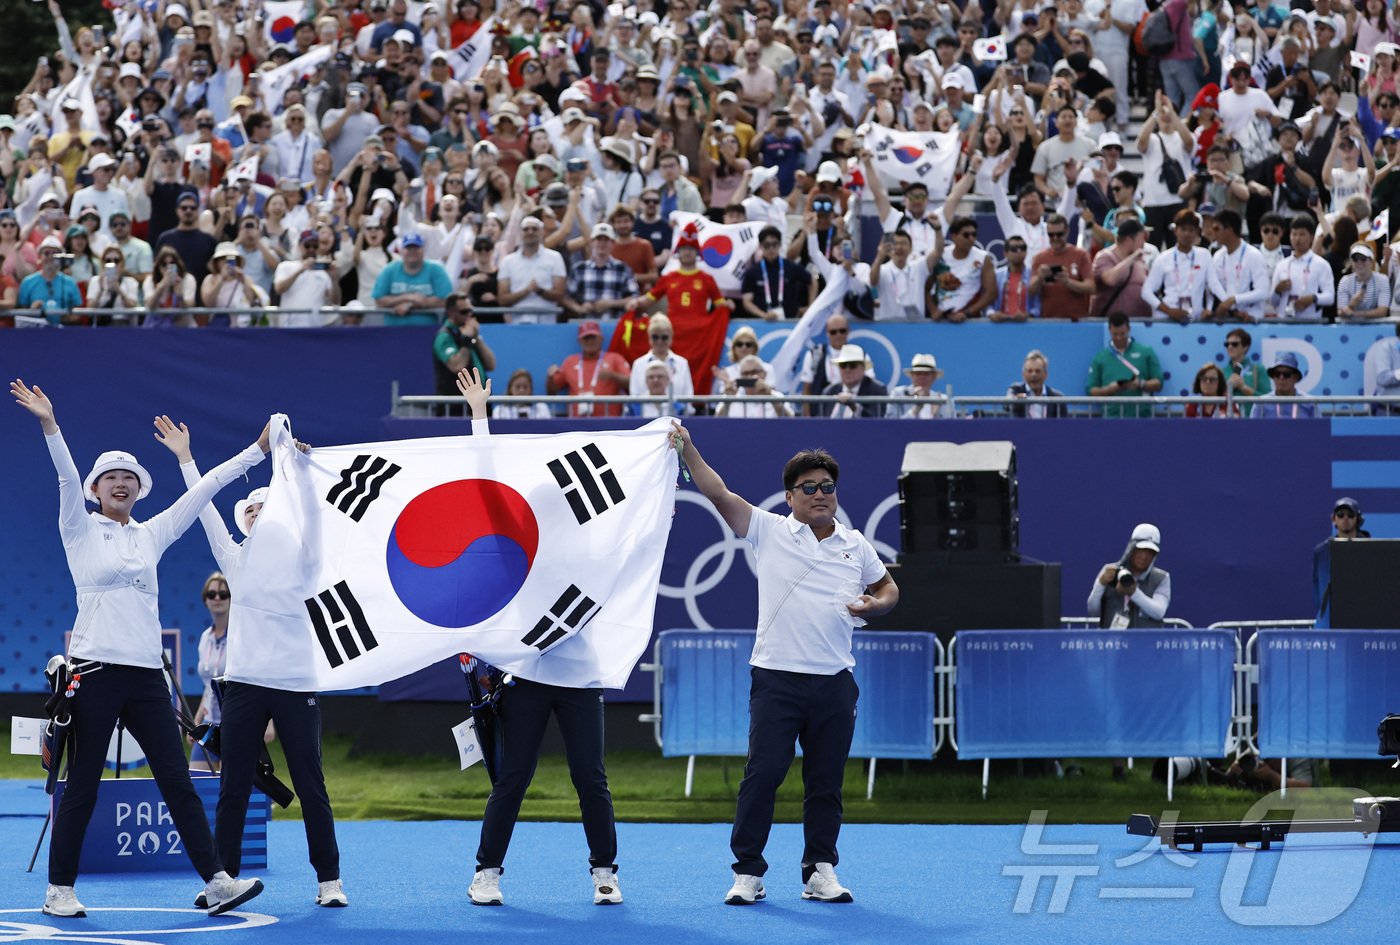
[1234, 344]
[837, 331]
[216, 595]
[827, 487]
[1056, 234]
[657, 336]
[1021, 248]
[1271, 229]
[1016, 111]
[651, 201]
[746, 344]
[1344, 513]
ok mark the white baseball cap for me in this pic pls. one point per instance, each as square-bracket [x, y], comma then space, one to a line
[1147, 536]
[240, 508]
[116, 459]
[99, 161]
[829, 173]
[603, 231]
[760, 176]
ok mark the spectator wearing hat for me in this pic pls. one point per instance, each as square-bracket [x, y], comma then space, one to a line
[305, 286]
[763, 205]
[412, 287]
[102, 196]
[1303, 282]
[1177, 282]
[621, 183]
[1363, 292]
[1281, 178]
[193, 245]
[1342, 170]
[532, 279]
[922, 371]
[590, 370]
[1282, 402]
[1133, 591]
[1124, 369]
[851, 368]
[1347, 522]
[773, 287]
[600, 284]
[229, 286]
[50, 291]
[68, 148]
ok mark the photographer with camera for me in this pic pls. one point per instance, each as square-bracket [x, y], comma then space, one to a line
[1216, 184]
[1133, 592]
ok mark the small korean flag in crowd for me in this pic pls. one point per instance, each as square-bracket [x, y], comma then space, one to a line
[1380, 226]
[994, 48]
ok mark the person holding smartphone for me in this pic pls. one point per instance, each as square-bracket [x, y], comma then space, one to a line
[1126, 368]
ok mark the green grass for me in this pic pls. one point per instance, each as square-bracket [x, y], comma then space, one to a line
[647, 787]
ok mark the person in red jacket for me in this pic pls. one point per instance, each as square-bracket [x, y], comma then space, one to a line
[688, 291]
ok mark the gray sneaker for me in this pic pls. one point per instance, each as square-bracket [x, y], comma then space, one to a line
[823, 886]
[61, 901]
[223, 892]
[485, 889]
[746, 890]
[605, 889]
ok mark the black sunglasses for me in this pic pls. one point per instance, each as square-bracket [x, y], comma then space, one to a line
[827, 486]
[1344, 513]
[216, 595]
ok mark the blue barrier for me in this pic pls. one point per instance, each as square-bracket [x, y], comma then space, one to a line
[703, 694]
[1322, 693]
[1095, 693]
[131, 830]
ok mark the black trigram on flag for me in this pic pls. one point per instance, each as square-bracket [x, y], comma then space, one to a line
[360, 483]
[584, 473]
[570, 614]
[338, 619]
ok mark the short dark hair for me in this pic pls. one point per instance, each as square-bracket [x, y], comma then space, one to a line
[1329, 84]
[1273, 219]
[1117, 319]
[1303, 221]
[1127, 179]
[770, 231]
[1026, 190]
[1106, 105]
[1241, 334]
[806, 461]
[960, 223]
[1230, 220]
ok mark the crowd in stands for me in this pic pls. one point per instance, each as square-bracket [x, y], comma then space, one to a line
[251, 162]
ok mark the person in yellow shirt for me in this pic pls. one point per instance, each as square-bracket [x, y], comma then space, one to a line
[69, 147]
[730, 116]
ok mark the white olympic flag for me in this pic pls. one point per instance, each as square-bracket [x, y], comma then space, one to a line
[539, 554]
[929, 157]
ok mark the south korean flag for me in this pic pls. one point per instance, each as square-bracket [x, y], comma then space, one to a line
[538, 554]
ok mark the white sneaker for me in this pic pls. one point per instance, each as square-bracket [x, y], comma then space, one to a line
[331, 893]
[823, 886]
[605, 890]
[61, 901]
[746, 890]
[485, 889]
[224, 892]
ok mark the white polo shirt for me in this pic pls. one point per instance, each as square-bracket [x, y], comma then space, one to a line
[804, 586]
[114, 565]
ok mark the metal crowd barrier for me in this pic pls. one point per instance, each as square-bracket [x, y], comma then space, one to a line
[1243, 735]
[426, 405]
[102, 317]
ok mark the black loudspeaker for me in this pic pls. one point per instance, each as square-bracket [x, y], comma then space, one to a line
[952, 595]
[959, 499]
[1361, 575]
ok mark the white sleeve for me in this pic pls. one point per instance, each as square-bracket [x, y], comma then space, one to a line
[72, 507]
[1156, 605]
[221, 543]
[1156, 276]
[1095, 603]
[1326, 286]
[172, 523]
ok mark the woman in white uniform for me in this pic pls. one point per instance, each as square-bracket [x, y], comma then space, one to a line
[116, 648]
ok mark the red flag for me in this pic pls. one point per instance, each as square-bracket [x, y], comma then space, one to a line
[698, 338]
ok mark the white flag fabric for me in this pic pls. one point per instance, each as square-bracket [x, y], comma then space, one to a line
[1380, 226]
[39, 184]
[907, 156]
[726, 249]
[469, 59]
[275, 82]
[199, 153]
[787, 365]
[539, 554]
[245, 170]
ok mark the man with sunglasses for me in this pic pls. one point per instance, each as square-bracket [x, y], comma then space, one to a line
[774, 288]
[819, 364]
[802, 687]
[1346, 521]
[136, 253]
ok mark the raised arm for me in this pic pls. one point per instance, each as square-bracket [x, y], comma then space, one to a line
[72, 512]
[172, 523]
[176, 438]
[477, 395]
[735, 511]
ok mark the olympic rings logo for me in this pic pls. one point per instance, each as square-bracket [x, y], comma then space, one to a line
[725, 549]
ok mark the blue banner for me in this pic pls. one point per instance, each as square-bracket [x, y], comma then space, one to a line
[1322, 693]
[1099, 693]
[705, 693]
[131, 830]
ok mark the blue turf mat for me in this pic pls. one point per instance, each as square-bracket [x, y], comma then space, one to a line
[913, 884]
[23, 798]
